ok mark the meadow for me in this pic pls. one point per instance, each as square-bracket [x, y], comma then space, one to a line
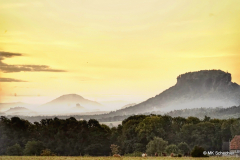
[110, 158]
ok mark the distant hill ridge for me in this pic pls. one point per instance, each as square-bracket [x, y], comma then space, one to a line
[205, 88]
[20, 111]
[17, 109]
[128, 105]
[68, 101]
[219, 113]
[6, 106]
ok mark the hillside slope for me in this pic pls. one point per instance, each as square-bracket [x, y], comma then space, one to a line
[6, 106]
[68, 101]
[20, 111]
[206, 88]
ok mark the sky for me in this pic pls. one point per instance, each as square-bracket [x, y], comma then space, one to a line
[113, 49]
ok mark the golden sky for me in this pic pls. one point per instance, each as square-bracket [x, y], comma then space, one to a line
[109, 50]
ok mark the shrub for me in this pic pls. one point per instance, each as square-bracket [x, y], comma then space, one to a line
[86, 155]
[47, 152]
[173, 155]
[94, 150]
[172, 149]
[14, 150]
[33, 148]
[156, 145]
[134, 154]
[198, 152]
[114, 149]
[183, 148]
[179, 155]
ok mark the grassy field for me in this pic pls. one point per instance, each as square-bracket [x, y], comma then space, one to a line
[111, 158]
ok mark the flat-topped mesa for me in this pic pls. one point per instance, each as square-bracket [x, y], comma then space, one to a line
[209, 77]
[206, 88]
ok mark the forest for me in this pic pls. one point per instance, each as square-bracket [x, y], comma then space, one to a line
[137, 134]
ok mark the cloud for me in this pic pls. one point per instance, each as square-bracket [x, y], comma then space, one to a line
[8, 55]
[10, 80]
[25, 68]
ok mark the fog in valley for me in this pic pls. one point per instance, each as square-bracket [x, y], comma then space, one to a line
[201, 89]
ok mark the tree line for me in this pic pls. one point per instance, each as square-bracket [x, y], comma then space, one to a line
[138, 134]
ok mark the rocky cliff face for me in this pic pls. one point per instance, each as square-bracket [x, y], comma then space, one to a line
[208, 80]
[206, 88]
[207, 84]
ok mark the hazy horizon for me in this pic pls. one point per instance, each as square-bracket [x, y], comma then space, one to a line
[95, 79]
[112, 50]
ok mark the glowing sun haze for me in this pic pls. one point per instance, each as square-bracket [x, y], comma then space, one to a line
[107, 50]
